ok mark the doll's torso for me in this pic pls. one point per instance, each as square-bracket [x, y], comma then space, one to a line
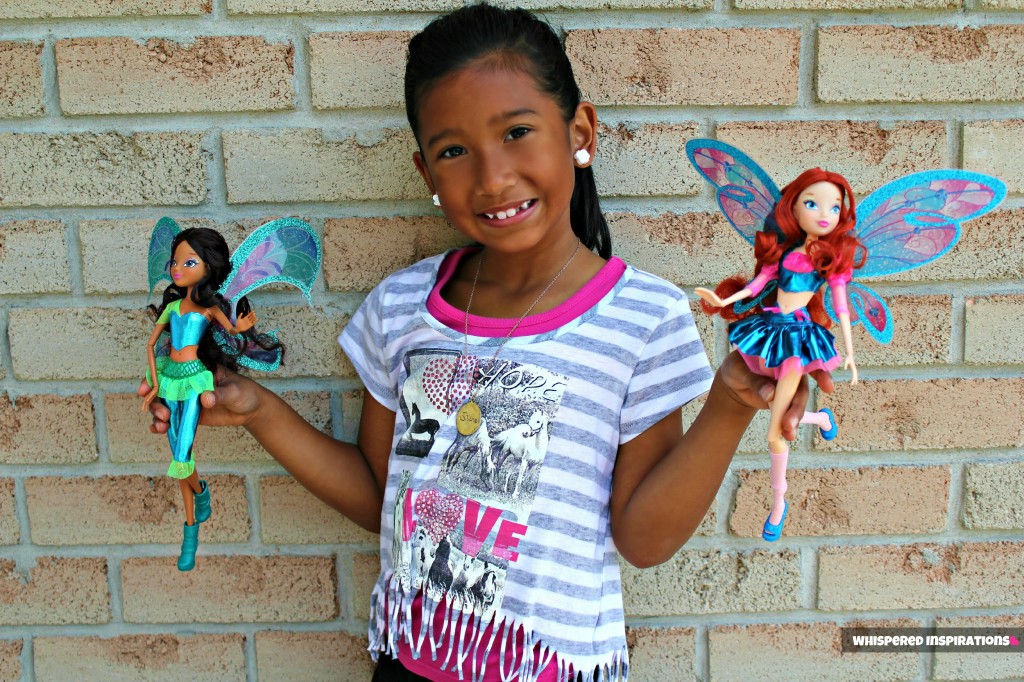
[798, 281]
[186, 331]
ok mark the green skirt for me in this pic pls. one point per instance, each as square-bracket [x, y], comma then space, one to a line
[181, 380]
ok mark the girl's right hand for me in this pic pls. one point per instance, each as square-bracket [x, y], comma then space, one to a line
[233, 402]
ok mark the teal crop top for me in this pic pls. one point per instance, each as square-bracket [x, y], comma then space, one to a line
[187, 329]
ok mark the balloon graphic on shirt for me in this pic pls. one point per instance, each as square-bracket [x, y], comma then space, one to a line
[447, 383]
[438, 513]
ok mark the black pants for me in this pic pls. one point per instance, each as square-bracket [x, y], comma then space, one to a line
[391, 670]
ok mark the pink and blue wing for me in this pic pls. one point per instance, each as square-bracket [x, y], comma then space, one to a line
[745, 193]
[867, 308]
[914, 220]
[160, 240]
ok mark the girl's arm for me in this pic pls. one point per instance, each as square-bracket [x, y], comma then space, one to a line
[666, 480]
[243, 323]
[348, 477]
[151, 356]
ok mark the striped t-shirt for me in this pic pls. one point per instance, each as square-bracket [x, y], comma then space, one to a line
[505, 528]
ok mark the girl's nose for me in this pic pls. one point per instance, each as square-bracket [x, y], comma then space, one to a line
[494, 174]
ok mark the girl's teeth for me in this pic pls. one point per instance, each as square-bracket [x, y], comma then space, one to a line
[502, 215]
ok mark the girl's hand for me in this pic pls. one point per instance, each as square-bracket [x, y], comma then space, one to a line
[710, 297]
[246, 322]
[233, 402]
[756, 391]
[852, 366]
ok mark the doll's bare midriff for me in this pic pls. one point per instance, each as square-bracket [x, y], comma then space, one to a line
[788, 301]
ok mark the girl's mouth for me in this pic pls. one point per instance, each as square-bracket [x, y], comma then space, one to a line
[506, 215]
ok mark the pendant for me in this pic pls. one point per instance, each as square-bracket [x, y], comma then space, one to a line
[467, 420]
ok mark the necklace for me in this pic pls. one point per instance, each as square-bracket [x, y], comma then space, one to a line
[468, 418]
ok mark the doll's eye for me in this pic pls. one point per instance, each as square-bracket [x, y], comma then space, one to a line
[810, 205]
[191, 263]
[835, 210]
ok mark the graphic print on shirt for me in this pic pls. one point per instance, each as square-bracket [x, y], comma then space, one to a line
[462, 514]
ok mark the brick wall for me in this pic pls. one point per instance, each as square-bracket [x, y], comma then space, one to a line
[227, 113]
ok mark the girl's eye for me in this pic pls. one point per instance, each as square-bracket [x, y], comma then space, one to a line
[452, 152]
[517, 132]
[810, 205]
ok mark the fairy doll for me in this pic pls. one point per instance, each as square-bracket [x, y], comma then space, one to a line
[806, 237]
[205, 321]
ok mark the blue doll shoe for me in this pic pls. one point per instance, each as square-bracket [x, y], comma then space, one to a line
[831, 433]
[772, 532]
[189, 545]
[203, 503]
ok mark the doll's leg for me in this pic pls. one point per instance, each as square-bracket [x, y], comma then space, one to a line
[778, 448]
[824, 420]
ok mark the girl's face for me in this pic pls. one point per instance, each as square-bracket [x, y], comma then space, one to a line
[817, 208]
[498, 153]
[186, 266]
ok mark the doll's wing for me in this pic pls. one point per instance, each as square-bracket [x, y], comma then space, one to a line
[740, 307]
[249, 354]
[283, 250]
[914, 220]
[867, 308]
[160, 240]
[745, 193]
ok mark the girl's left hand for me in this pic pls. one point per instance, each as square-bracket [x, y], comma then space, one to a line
[757, 391]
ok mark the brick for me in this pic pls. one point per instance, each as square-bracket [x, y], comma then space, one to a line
[102, 169]
[999, 232]
[339, 6]
[692, 249]
[45, 9]
[845, 5]
[360, 252]
[55, 591]
[867, 153]
[365, 570]
[362, 69]
[312, 657]
[303, 165]
[769, 651]
[9, 532]
[708, 581]
[10, 659]
[129, 510]
[994, 327]
[920, 576]
[293, 515]
[925, 415]
[21, 79]
[351, 413]
[223, 73]
[994, 495]
[657, 654]
[129, 439]
[311, 338]
[923, 325]
[109, 343]
[1002, 4]
[610, 4]
[645, 159]
[988, 148]
[33, 257]
[209, 657]
[744, 66]
[920, 64]
[957, 665]
[862, 501]
[753, 441]
[47, 429]
[231, 589]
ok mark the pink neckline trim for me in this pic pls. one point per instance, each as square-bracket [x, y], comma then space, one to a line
[574, 306]
[798, 262]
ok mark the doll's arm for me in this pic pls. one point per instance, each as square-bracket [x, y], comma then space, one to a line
[243, 323]
[753, 287]
[158, 329]
[840, 304]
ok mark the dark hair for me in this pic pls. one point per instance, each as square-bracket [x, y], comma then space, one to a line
[520, 41]
[211, 248]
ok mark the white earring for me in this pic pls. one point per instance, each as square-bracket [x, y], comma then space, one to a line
[436, 199]
[582, 157]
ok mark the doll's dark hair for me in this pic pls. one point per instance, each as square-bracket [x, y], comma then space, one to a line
[519, 41]
[211, 248]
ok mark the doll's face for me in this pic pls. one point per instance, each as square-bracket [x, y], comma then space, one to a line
[186, 266]
[817, 208]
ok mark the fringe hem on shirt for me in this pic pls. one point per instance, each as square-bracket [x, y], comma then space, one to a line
[391, 618]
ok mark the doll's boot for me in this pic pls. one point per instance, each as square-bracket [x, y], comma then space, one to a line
[203, 503]
[189, 545]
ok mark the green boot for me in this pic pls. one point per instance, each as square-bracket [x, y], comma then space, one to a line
[203, 503]
[187, 560]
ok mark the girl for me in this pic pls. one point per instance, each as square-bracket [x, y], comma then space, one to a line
[812, 242]
[521, 420]
[198, 267]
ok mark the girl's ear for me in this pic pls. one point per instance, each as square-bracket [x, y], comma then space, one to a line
[583, 129]
[421, 167]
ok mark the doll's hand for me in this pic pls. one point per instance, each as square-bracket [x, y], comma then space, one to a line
[710, 297]
[852, 366]
[149, 395]
[246, 322]
[232, 403]
[757, 391]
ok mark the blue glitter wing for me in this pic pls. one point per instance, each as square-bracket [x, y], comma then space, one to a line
[914, 220]
[745, 193]
[160, 240]
[252, 355]
[867, 308]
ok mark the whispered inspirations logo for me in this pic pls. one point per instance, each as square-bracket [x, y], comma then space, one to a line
[887, 640]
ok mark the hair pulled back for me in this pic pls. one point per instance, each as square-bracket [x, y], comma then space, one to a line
[211, 248]
[519, 41]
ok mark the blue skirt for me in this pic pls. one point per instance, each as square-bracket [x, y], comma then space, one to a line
[775, 343]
